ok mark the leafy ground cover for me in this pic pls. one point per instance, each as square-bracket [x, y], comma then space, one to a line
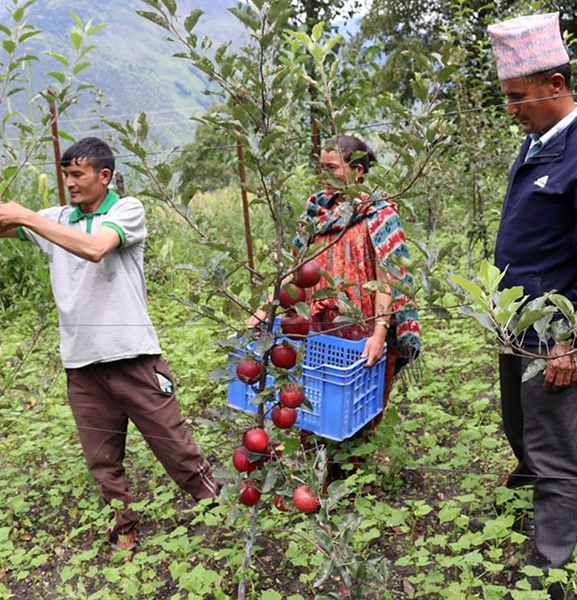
[438, 464]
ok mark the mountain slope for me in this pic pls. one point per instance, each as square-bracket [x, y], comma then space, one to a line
[132, 64]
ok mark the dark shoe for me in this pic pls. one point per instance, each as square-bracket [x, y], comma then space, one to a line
[555, 590]
[524, 525]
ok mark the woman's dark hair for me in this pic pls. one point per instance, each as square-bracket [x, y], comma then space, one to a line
[94, 151]
[351, 147]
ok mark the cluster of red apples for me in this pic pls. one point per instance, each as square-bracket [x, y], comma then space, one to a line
[256, 448]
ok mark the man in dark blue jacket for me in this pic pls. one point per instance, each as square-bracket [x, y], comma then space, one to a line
[537, 243]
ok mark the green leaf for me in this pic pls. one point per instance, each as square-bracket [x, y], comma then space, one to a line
[163, 174]
[420, 89]
[192, 19]
[473, 289]
[170, 6]
[154, 18]
[96, 28]
[503, 316]
[80, 67]
[441, 312]
[331, 43]
[528, 318]
[270, 595]
[26, 58]
[509, 296]
[317, 31]
[86, 50]
[9, 46]
[449, 513]
[76, 38]
[324, 571]
[271, 480]
[565, 306]
[534, 368]
[245, 17]
[59, 57]
[482, 318]
[490, 276]
[141, 126]
[66, 136]
[14, 91]
[60, 77]
[77, 20]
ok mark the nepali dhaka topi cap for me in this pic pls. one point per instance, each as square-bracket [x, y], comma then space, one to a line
[527, 45]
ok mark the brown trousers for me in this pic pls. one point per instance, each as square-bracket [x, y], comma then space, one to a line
[103, 397]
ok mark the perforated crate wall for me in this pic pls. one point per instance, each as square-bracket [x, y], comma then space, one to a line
[343, 393]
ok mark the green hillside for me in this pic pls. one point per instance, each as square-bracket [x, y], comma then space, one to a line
[132, 63]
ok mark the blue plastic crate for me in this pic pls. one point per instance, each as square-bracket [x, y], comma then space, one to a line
[344, 394]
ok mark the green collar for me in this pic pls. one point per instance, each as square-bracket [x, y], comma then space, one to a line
[111, 199]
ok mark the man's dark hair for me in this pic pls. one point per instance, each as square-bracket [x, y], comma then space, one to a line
[564, 69]
[93, 150]
[349, 147]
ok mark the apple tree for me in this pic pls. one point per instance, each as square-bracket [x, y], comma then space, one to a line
[263, 92]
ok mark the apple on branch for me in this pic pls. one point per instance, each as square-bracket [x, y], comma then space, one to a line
[283, 355]
[308, 275]
[255, 439]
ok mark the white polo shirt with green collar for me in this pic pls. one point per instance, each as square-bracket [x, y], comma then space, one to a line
[101, 306]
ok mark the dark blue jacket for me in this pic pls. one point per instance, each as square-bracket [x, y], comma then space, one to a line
[537, 237]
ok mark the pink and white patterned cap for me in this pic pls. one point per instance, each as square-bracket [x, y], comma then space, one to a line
[527, 45]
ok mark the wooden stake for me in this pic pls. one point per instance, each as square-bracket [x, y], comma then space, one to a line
[245, 210]
[56, 146]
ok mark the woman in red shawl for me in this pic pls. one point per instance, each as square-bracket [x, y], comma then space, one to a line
[361, 236]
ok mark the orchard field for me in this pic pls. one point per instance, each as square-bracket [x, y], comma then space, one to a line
[434, 464]
[421, 511]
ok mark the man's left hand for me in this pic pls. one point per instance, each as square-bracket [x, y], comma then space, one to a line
[561, 369]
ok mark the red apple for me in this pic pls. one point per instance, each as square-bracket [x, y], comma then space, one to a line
[249, 493]
[241, 462]
[279, 504]
[308, 274]
[294, 326]
[248, 371]
[283, 417]
[290, 294]
[291, 396]
[283, 355]
[255, 439]
[304, 500]
[273, 452]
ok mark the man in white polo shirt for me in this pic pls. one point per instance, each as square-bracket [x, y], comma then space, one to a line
[109, 348]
